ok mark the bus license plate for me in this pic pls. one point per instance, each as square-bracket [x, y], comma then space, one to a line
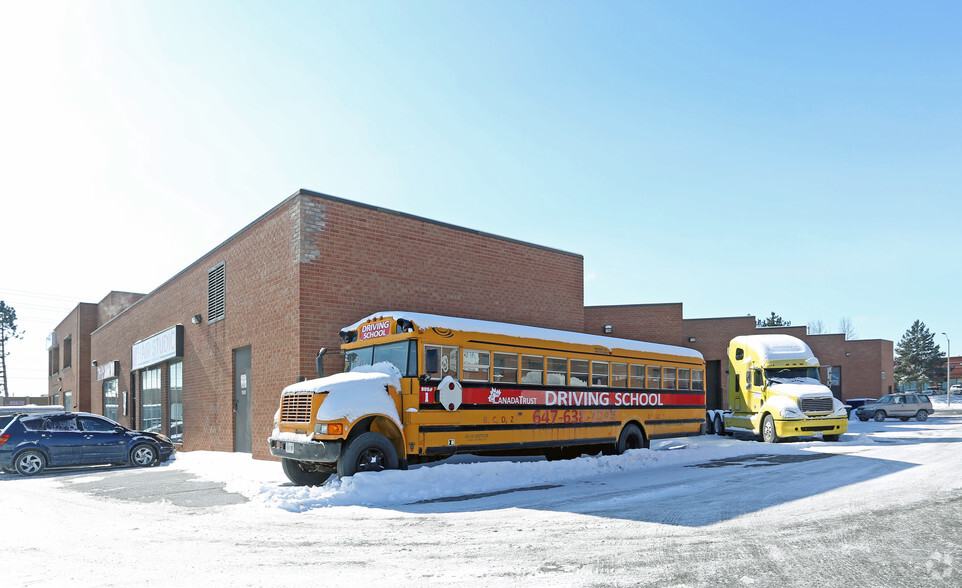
[818, 435]
[289, 447]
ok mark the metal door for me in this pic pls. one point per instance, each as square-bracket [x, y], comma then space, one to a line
[242, 400]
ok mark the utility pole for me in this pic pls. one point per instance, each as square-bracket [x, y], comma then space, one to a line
[948, 369]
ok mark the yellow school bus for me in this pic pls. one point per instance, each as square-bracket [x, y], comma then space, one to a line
[421, 387]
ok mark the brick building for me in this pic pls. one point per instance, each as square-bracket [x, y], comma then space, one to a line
[854, 368]
[68, 349]
[204, 356]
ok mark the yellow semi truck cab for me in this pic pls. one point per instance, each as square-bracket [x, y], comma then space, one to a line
[774, 391]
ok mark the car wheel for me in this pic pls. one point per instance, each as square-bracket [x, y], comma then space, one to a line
[879, 416]
[769, 435]
[143, 456]
[30, 463]
[719, 425]
[921, 416]
[301, 477]
[369, 452]
[631, 438]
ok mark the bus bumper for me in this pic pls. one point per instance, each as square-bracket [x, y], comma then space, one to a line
[311, 451]
[809, 427]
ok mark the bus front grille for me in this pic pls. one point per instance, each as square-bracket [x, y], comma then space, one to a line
[296, 408]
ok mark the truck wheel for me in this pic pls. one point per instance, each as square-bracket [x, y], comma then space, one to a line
[879, 416]
[719, 425]
[768, 430]
[368, 452]
[297, 474]
[631, 438]
[921, 416]
[709, 424]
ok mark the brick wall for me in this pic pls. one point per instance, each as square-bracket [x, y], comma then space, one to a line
[358, 260]
[656, 323]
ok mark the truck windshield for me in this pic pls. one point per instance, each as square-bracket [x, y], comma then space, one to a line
[791, 373]
[403, 354]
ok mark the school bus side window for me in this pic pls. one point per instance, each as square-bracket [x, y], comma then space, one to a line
[475, 365]
[697, 380]
[654, 377]
[599, 373]
[668, 378]
[505, 368]
[684, 375]
[619, 375]
[579, 372]
[637, 379]
[532, 369]
[441, 361]
[557, 371]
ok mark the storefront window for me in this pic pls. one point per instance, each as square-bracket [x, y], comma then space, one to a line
[176, 396]
[111, 405]
[150, 409]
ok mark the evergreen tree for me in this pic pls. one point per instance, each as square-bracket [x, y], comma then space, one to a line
[917, 357]
[8, 330]
[772, 321]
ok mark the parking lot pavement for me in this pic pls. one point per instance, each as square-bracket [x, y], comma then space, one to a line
[162, 484]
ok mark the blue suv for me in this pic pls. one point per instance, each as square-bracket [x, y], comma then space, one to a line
[30, 443]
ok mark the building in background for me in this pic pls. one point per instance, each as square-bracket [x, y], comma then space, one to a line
[203, 357]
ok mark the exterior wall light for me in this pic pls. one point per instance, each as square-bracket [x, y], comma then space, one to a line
[691, 339]
[607, 328]
[197, 319]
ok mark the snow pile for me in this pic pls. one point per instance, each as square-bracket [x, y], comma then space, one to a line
[459, 476]
[434, 321]
[776, 347]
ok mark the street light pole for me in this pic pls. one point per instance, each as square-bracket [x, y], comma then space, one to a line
[948, 370]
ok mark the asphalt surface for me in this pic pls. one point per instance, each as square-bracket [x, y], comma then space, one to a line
[159, 484]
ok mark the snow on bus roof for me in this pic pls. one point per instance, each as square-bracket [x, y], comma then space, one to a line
[429, 321]
[776, 347]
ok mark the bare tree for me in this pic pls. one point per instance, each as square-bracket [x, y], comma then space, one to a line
[847, 328]
[816, 327]
[8, 330]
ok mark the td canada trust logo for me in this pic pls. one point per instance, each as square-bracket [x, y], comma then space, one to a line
[495, 398]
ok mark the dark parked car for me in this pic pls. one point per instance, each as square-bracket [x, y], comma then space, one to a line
[900, 406]
[32, 442]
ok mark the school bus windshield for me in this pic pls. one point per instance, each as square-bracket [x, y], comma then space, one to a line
[403, 354]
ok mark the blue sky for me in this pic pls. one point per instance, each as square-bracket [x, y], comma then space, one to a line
[738, 157]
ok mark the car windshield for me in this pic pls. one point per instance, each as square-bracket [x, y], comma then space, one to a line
[403, 354]
[885, 400]
[791, 373]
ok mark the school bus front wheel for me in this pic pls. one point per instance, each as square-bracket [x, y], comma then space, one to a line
[368, 452]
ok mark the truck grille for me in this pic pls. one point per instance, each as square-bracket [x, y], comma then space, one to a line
[816, 405]
[296, 408]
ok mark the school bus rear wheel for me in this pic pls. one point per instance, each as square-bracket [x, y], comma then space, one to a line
[631, 438]
[368, 452]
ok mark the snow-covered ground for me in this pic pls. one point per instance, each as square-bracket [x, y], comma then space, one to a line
[882, 507]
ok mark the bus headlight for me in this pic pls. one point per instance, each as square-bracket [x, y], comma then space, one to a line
[329, 429]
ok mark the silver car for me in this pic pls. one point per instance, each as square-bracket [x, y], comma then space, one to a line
[896, 406]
